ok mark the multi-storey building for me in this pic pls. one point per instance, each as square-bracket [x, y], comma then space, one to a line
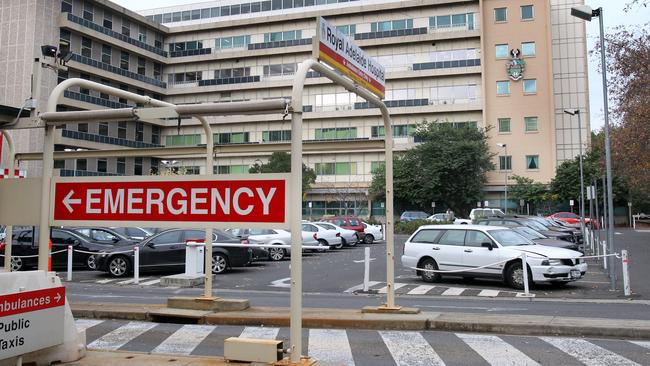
[446, 62]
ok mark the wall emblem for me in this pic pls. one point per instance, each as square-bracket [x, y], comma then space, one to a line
[516, 66]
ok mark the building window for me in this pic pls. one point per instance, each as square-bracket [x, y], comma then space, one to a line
[137, 166]
[505, 162]
[82, 164]
[66, 6]
[124, 60]
[504, 125]
[88, 11]
[283, 36]
[86, 47]
[59, 164]
[126, 28]
[501, 14]
[347, 168]
[503, 87]
[102, 165]
[121, 166]
[269, 136]
[158, 42]
[125, 88]
[82, 127]
[376, 165]
[121, 129]
[85, 91]
[527, 12]
[142, 36]
[232, 42]
[391, 25]
[103, 128]
[157, 71]
[528, 49]
[338, 133]
[154, 166]
[532, 162]
[139, 131]
[182, 140]
[230, 169]
[108, 20]
[155, 135]
[142, 63]
[530, 86]
[501, 50]
[530, 124]
[106, 53]
[398, 131]
[231, 138]
[348, 30]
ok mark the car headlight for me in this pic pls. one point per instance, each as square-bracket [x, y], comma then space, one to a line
[551, 262]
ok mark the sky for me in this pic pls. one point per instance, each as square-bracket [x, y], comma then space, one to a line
[614, 15]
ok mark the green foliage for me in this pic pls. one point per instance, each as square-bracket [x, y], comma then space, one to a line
[409, 227]
[449, 167]
[528, 190]
[280, 162]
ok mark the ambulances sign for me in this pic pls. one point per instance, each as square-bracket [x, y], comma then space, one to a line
[337, 50]
[181, 201]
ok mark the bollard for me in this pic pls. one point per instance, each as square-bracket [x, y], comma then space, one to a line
[604, 249]
[634, 222]
[626, 273]
[69, 278]
[136, 265]
[524, 267]
[366, 270]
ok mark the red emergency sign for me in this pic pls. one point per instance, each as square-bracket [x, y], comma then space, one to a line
[29, 301]
[166, 200]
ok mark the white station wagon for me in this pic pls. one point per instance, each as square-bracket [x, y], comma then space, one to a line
[455, 247]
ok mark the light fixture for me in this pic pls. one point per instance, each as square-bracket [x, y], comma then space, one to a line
[48, 51]
[584, 12]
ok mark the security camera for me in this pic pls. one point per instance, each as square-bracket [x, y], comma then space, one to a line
[64, 56]
[583, 12]
[48, 51]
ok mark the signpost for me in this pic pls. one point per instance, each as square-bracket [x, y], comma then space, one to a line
[31, 320]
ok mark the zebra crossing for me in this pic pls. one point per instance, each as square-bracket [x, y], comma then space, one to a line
[367, 347]
[415, 289]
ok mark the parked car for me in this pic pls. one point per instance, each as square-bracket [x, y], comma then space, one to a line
[325, 237]
[407, 216]
[439, 217]
[520, 221]
[136, 233]
[455, 247]
[539, 238]
[347, 222]
[569, 217]
[25, 244]
[348, 237]
[105, 235]
[553, 225]
[243, 235]
[165, 251]
[372, 233]
[477, 213]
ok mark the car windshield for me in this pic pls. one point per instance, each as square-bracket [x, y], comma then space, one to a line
[529, 233]
[509, 238]
[535, 225]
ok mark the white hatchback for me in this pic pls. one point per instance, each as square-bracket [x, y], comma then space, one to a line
[488, 251]
[325, 237]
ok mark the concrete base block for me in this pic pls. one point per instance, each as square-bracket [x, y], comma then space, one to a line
[208, 304]
[181, 280]
[387, 310]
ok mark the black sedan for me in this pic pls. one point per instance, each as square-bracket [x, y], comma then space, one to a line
[165, 251]
[25, 244]
[105, 235]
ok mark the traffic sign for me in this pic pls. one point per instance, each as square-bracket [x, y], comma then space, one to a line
[31, 320]
[259, 200]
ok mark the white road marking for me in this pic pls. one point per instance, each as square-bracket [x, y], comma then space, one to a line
[453, 291]
[496, 351]
[410, 349]
[330, 347]
[127, 282]
[396, 285]
[641, 343]
[83, 324]
[282, 282]
[119, 337]
[360, 287]
[149, 283]
[184, 340]
[588, 353]
[489, 293]
[260, 333]
[421, 290]
[103, 282]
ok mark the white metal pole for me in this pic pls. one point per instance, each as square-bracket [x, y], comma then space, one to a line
[626, 274]
[9, 228]
[505, 202]
[136, 264]
[582, 183]
[524, 268]
[634, 222]
[366, 270]
[604, 243]
[209, 166]
[69, 277]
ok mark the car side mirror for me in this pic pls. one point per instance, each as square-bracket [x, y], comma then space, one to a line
[487, 244]
[115, 239]
[151, 244]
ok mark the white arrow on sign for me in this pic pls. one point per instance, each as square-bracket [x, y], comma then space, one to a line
[57, 297]
[68, 200]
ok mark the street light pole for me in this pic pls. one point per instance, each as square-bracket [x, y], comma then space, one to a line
[582, 182]
[586, 13]
[505, 161]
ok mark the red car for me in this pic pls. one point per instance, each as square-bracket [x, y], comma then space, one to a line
[569, 217]
[347, 222]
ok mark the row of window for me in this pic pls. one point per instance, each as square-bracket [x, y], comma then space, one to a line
[530, 86]
[452, 21]
[505, 162]
[81, 165]
[526, 13]
[530, 124]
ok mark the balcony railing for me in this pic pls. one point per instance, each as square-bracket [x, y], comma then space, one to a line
[227, 81]
[196, 52]
[277, 44]
[106, 139]
[85, 173]
[391, 33]
[111, 33]
[446, 64]
[94, 100]
[394, 103]
[116, 70]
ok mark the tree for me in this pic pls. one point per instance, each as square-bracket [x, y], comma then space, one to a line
[449, 167]
[280, 162]
[528, 190]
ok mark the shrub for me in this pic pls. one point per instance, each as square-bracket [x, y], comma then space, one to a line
[409, 228]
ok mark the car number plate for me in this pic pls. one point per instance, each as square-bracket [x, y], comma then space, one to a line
[575, 274]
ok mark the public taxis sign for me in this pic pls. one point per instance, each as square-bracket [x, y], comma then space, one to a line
[337, 50]
[31, 320]
[259, 200]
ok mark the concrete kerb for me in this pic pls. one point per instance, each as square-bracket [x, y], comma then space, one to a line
[355, 319]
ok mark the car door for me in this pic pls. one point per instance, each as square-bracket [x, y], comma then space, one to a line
[163, 251]
[476, 255]
[422, 245]
[449, 249]
[60, 242]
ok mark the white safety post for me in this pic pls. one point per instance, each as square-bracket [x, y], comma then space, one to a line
[634, 222]
[366, 270]
[604, 244]
[136, 264]
[626, 274]
[524, 268]
[9, 229]
[69, 277]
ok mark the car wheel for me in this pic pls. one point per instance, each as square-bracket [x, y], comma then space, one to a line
[515, 276]
[354, 242]
[16, 264]
[368, 239]
[429, 276]
[91, 262]
[219, 263]
[339, 245]
[463, 223]
[276, 254]
[118, 266]
[322, 243]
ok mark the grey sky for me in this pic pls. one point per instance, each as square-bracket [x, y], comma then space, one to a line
[614, 16]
